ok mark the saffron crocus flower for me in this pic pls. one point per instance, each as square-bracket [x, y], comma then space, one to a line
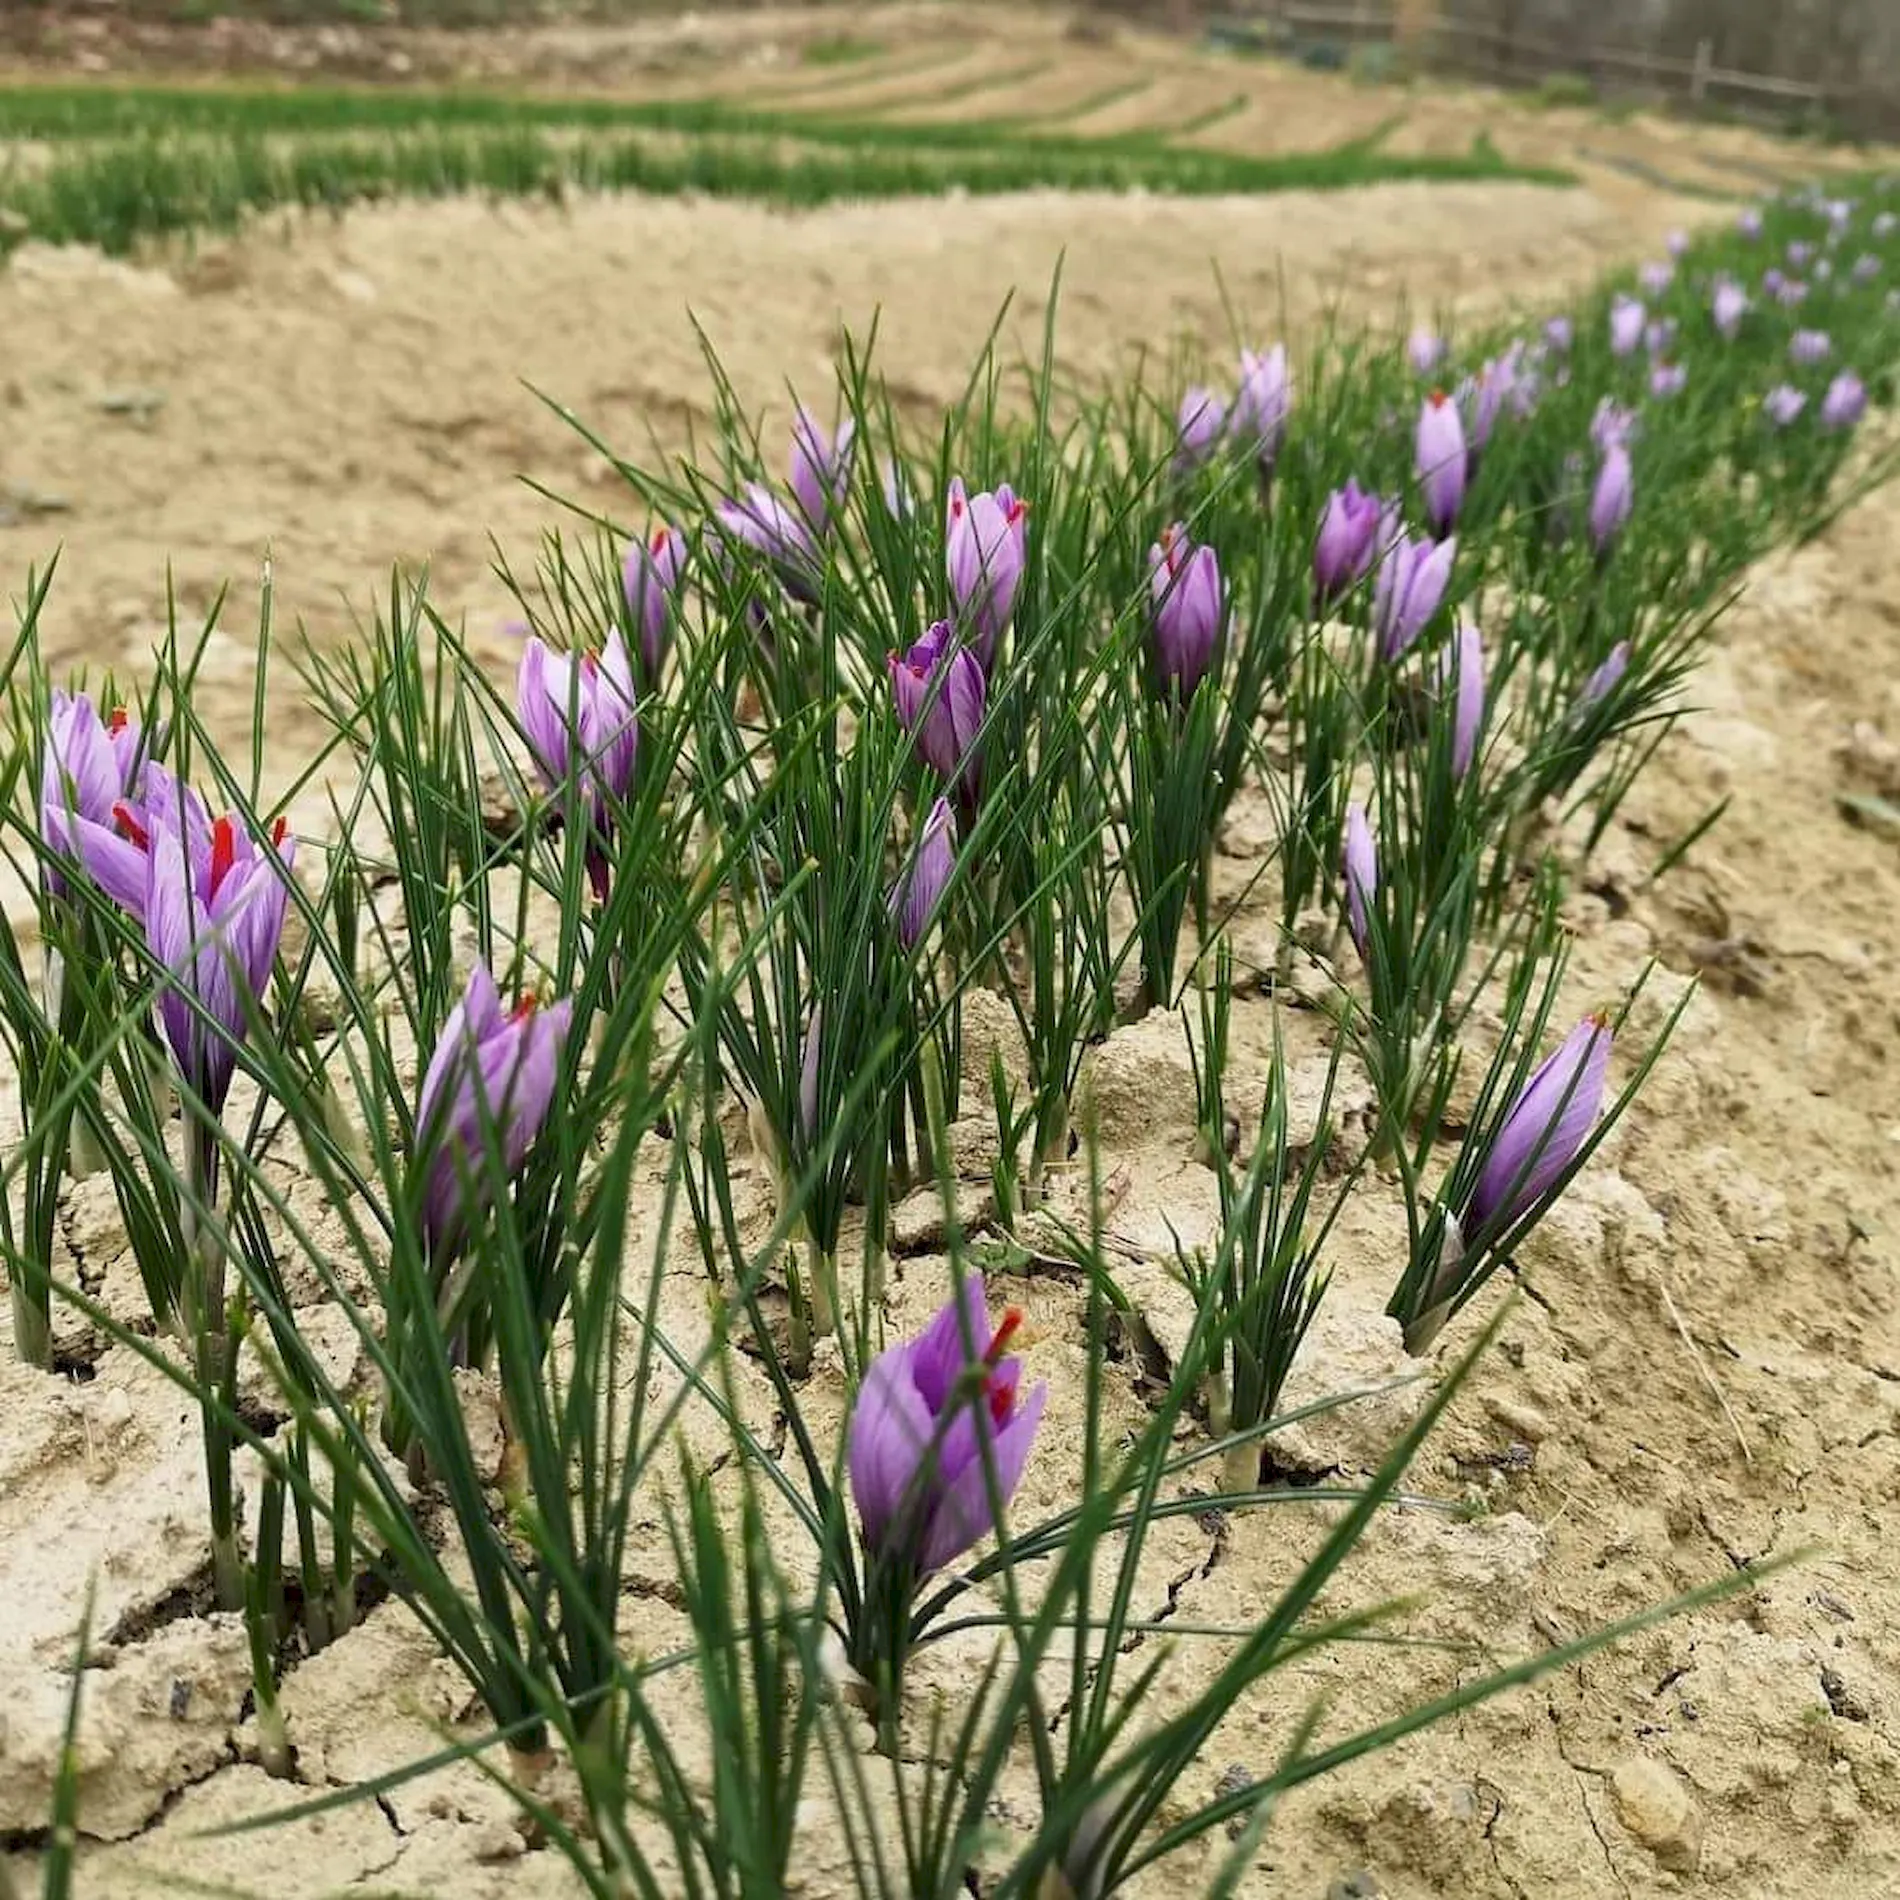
[1602, 682]
[1656, 277]
[1198, 425]
[651, 578]
[1748, 222]
[1660, 335]
[1263, 404]
[920, 887]
[1677, 244]
[1885, 224]
[1612, 498]
[1413, 576]
[1809, 347]
[1440, 460]
[1800, 255]
[821, 467]
[775, 532]
[1773, 283]
[1866, 268]
[1543, 1129]
[1783, 405]
[1845, 402]
[1612, 423]
[936, 1419]
[1559, 334]
[492, 1075]
[1627, 320]
[87, 766]
[1425, 351]
[1184, 581]
[1792, 294]
[213, 909]
[985, 549]
[939, 691]
[1467, 698]
[1728, 306]
[1480, 399]
[1666, 380]
[1348, 530]
[578, 711]
[1362, 876]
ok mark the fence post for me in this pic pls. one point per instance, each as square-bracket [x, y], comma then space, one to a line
[1699, 79]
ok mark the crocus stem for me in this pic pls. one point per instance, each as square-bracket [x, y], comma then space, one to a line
[824, 1291]
[216, 1340]
[32, 1322]
[84, 1156]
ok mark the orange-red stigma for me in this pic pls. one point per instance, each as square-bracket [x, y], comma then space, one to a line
[130, 826]
[525, 1005]
[223, 852]
[119, 720]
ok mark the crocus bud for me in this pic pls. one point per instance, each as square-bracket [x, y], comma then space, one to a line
[1677, 244]
[1348, 530]
[1185, 585]
[1845, 402]
[1362, 876]
[776, 532]
[939, 692]
[1800, 255]
[1612, 423]
[1660, 335]
[1808, 347]
[1542, 1130]
[1748, 222]
[1425, 351]
[1666, 380]
[1480, 400]
[1627, 321]
[1657, 277]
[1413, 576]
[1773, 282]
[579, 714]
[985, 549]
[493, 1074]
[87, 766]
[1467, 698]
[1792, 293]
[1559, 334]
[1729, 306]
[1866, 269]
[1612, 498]
[821, 468]
[936, 1419]
[212, 904]
[1602, 682]
[1263, 404]
[920, 887]
[1783, 405]
[1198, 426]
[1440, 460]
[651, 578]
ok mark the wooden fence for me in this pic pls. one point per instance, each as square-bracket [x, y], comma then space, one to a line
[1508, 55]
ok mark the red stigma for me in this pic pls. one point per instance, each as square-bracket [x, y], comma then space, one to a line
[1437, 399]
[130, 826]
[1001, 1392]
[659, 539]
[525, 1005]
[223, 852]
[999, 1340]
[280, 831]
[1017, 509]
[956, 507]
[118, 720]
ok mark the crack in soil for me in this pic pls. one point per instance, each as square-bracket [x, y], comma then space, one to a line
[1585, 1774]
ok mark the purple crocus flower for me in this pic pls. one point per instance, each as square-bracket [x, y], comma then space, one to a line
[493, 1070]
[1728, 306]
[1866, 268]
[579, 713]
[1748, 223]
[1657, 277]
[1424, 350]
[1263, 404]
[1362, 876]
[651, 578]
[88, 765]
[928, 1412]
[1543, 1130]
[940, 692]
[1800, 255]
[1413, 576]
[1602, 682]
[920, 887]
[1773, 283]
[1198, 426]
[1783, 405]
[1808, 347]
[1612, 423]
[213, 906]
[1441, 460]
[1845, 402]
[821, 468]
[1612, 498]
[1884, 225]
[1660, 335]
[986, 545]
[810, 1056]
[1480, 398]
[1677, 244]
[1559, 334]
[1792, 294]
[1185, 585]
[1347, 531]
[1627, 319]
[1667, 379]
[775, 531]
[1467, 719]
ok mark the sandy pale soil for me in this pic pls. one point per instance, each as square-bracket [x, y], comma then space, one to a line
[1715, 1375]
